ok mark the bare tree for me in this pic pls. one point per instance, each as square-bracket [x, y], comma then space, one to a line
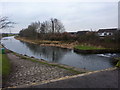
[5, 23]
[57, 26]
[47, 27]
[43, 30]
[52, 21]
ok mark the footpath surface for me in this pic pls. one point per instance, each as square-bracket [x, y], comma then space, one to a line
[103, 79]
[25, 72]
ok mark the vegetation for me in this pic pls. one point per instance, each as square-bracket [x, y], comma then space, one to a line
[5, 65]
[43, 30]
[53, 30]
[0, 64]
[7, 34]
[0, 61]
[118, 63]
[85, 47]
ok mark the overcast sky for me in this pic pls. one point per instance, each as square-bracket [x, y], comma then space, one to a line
[75, 16]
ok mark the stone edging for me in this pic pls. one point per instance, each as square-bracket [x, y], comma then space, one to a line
[57, 64]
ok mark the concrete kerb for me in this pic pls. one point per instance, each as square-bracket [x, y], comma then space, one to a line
[63, 78]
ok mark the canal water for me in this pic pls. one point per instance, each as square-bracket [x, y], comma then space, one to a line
[60, 55]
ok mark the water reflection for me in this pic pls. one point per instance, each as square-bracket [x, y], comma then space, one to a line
[54, 54]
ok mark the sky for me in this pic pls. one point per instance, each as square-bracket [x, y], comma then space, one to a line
[76, 15]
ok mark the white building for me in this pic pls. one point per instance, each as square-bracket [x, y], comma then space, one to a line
[106, 32]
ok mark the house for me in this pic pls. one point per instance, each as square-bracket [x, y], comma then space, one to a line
[72, 33]
[106, 32]
[79, 33]
[82, 32]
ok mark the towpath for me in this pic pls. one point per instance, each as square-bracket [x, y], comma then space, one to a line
[25, 72]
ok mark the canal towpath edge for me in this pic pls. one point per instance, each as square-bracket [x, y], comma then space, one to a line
[26, 72]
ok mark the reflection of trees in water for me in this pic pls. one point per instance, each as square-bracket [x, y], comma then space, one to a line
[51, 53]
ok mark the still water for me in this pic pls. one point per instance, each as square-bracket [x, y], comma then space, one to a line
[59, 55]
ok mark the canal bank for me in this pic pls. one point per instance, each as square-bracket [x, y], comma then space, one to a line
[27, 74]
[60, 44]
[5, 66]
[86, 49]
[26, 70]
[94, 50]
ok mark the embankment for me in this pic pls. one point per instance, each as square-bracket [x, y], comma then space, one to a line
[49, 43]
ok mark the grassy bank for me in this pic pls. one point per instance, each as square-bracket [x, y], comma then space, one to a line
[0, 64]
[78, 47]
[5, 65]
[36, 41]
[61, 44]
[90, 49]
[85, 47]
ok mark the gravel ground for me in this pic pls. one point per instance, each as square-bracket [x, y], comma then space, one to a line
[27, 72]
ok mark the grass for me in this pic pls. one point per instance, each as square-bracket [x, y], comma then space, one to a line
[5, 66]
[118, 63]
[4, 61]
[0, 61]
[0, 64]
[85, 47]
[38, 41]
[44, 62]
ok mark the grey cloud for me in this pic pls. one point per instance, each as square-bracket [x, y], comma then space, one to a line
[75, 16]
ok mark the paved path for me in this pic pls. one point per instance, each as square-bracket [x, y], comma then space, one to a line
[104, 79]
[28, 72]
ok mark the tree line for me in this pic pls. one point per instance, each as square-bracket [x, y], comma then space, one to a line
[41, 30]
[54, 29]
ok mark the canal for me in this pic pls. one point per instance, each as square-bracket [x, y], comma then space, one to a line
[60, 55]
